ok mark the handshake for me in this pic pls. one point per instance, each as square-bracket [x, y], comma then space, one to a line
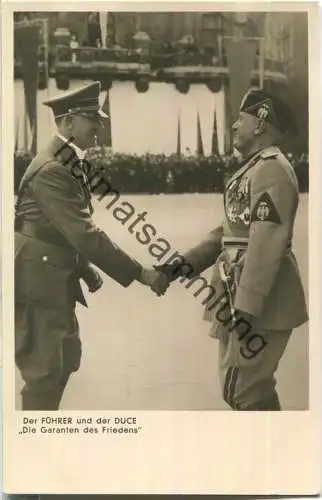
[160, 277]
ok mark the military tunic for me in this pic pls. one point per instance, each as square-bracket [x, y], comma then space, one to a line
[253, 249]
[55, 240]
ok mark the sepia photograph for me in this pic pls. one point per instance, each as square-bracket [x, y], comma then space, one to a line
[161, 185]
[160, 248]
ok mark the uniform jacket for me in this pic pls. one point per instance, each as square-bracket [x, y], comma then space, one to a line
[261, 201]
[55, 236]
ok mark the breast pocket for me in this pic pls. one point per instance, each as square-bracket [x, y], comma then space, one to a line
[44, 277]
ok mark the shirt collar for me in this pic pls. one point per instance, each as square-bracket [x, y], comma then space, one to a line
[80, 152]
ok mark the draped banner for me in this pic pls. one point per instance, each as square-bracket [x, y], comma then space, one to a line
[137, 124]
[221, 125]
[27, 41]
[103, 16]
[240, 59]
[188, 122]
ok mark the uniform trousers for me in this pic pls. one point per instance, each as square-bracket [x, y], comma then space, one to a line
[47, 350]
[247, 366]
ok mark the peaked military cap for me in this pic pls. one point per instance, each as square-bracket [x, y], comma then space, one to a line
[269, 108]
[84, 100]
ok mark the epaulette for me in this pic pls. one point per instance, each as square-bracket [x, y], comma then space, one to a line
[270, 153]
[59, 159]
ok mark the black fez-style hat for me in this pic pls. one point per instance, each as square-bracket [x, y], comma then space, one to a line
[269, 108]
[84, 100]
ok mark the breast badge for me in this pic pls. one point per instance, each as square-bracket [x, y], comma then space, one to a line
[232, 214]
[238, 202]
[245, 216]
[243, 188]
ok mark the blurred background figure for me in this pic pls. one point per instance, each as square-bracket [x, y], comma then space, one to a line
[74, 45]
[94, 30]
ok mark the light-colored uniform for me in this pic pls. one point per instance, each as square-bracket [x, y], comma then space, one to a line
[255, 272]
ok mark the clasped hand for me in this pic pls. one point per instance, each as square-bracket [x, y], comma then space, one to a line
[159, 278]
[156, 280]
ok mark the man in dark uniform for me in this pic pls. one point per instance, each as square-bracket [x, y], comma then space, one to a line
[256, 294]
[55, 242]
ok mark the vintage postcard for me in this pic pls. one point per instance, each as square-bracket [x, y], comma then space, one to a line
[160, 235]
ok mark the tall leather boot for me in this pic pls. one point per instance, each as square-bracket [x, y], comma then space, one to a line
[62, 387]
[39, 401]
[269, 404]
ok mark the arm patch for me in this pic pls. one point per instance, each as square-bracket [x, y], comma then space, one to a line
[265, 210]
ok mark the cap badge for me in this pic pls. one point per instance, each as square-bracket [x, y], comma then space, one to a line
[263, 112]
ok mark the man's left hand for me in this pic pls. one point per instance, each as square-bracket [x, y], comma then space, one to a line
[156, 280]
[92, 279]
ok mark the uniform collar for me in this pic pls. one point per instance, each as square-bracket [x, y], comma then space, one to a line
[248, 163]
[252, 159]
[249, 157]
[266, 151]
[80, 152]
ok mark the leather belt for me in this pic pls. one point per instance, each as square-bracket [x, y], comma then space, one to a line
[30, 230]
[234, 242]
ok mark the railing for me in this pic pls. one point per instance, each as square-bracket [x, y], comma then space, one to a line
[92, 54]
[155, 62]
[205, 57]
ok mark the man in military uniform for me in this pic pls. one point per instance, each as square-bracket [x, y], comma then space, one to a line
[256, 297]
[55, 242]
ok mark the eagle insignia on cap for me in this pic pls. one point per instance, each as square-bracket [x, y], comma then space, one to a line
[270, 108]
[84, 100]
[263, 112]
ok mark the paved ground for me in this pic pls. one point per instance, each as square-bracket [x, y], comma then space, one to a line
[142, 352]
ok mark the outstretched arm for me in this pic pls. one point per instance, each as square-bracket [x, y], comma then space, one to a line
[60, 197]
[196, 260]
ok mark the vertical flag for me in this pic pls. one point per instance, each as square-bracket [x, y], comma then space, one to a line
[214, 144]
[105, 136]
[27, 39]
[179, 137]
[200, 149]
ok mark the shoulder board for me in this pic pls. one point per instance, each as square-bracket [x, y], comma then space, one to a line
[269, 153]
[33, 171]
